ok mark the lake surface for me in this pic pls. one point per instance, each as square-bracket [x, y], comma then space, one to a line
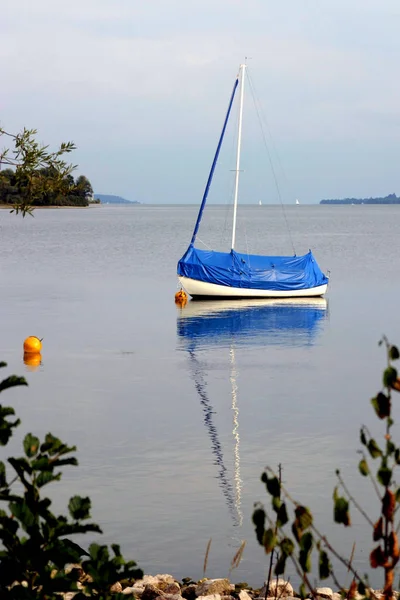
[176, 412]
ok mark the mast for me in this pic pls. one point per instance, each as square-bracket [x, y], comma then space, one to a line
[239, 141]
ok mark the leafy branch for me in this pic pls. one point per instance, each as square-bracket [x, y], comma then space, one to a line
[304, 538]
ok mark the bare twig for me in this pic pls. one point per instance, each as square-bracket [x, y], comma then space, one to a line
[206, 557]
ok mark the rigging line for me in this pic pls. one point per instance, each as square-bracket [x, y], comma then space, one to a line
[265, 120]
[270, 162]
[204, 244]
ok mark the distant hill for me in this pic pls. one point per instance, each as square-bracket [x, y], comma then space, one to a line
[390, 199]
[110, 199]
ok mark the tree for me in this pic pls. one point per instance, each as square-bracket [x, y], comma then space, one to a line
[84, 187]
[37, 172]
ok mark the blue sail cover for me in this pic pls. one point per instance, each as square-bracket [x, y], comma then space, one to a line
[251, 271]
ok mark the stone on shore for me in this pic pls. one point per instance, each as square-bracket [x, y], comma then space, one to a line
[324, 592]
[243, 595]
[211, 587]
[277, 589]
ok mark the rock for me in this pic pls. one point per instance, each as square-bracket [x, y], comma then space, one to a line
[337, 596]
[277, 588]
[210, 597]
[324, 592]
[116, 588]
[137, 590]
[173, 588]
[150, 592]
[243, 595]
[158, 579]
[211, 587]
[189, 591]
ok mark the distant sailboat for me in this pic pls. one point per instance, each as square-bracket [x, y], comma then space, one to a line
[297, 202]
[259, 203]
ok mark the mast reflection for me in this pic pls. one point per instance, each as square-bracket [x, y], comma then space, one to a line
[232, 325]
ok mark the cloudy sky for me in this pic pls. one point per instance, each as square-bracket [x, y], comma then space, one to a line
[141, 87]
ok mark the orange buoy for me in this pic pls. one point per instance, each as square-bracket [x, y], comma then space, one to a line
[32, 345]
[33, 360]
[181, 297]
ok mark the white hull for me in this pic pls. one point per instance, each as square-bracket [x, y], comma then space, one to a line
[203, 289]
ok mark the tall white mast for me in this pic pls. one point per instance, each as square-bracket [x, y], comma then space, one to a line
[239, 141]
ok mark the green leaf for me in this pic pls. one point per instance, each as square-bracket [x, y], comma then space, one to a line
[12, 381]
[276, 503]
[2, 364]
[361, 588]
[303, 517]
[3, 480]
[258, 517]
[389, 376]
[23, 513]
[273, 487]
[384, 475]
[394, 353]
[282, 517]
[303, 591]
[397, 456]
[287, 546]
[117, 550]
[306, 545]
[269, 540]
[381, 404]
[324, 565]
[46, 477]
[307, 541]
[341, 511]
[363, 467]
[259, 522]
[31, 445]
[374, 449]
[390, 448]
[363, 438]
[79, 508]
[280, 565]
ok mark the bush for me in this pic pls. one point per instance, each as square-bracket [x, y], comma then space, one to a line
[37, 545]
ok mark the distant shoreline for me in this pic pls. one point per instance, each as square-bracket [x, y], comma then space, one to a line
[390, 199]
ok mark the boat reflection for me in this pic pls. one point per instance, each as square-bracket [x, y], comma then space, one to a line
[203, 325]
[252, 322]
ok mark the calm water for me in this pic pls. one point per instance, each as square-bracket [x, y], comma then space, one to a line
[176, 412]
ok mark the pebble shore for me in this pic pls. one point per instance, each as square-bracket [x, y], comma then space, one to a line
[166, 587]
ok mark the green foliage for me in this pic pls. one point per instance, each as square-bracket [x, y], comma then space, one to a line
[36, 545]
[35, 176]
[295, 535]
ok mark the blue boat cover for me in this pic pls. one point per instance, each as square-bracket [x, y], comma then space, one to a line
[283, 273]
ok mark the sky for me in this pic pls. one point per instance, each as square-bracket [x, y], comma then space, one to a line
[142, 87]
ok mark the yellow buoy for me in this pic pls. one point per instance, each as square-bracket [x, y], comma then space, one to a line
[33, 360]
[181, 297]
[32, 345]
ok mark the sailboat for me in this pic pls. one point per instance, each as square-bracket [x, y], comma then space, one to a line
[297, 202]
[210, 274]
